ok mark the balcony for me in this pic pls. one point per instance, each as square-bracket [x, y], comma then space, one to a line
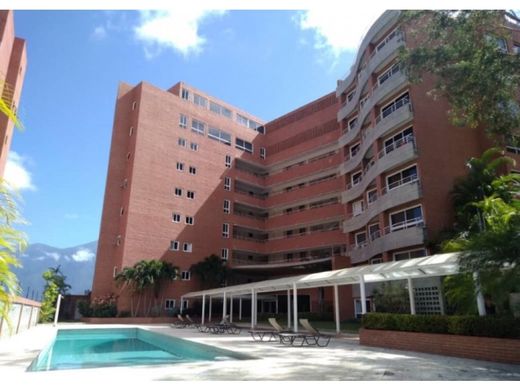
[307, 240]
[306, 215]
[377, 59]
[408, 235]
[249, 234]
[244, 260]
[387, 19]
[404, 191]
[401, 154]
[307, 190]
[250, 190]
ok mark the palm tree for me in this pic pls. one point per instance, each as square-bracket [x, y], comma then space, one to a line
[12, 241]
[483, 180]
[212, 271]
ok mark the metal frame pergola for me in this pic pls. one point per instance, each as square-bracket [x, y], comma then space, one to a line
[423, 267]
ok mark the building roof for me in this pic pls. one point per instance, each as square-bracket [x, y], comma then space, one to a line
[428, 266]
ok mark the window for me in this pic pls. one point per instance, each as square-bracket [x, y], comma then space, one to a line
[387, 39]
[395, 105]
[406, 218]
[128, 155]
[176, 217]
[373, 231]
[187, 247]
[357, 207]
[180, 166]
[190, 194]
[516, 48]
[185, 304]
[114, 272]
[189, 220]
[134, 105]
[228, 161]
[183, 121]
[242, 120]
[227, 206]
[502, 45]
[218, 109]
[227, 183]
[388, 73]
[224, 253]
[410, 254]
[371, 196]
[350, 96]
[198, 126]
[181, 142]
[185, 94]
[352, 123]
[169, 304]
[185, 275]
[262, 153]
[225, 230]
[130, 132]
[356, 178]
[377, 260]
[408, 175]
[178, 191]
[398, 139]
[121, 211]
[244, 145]
[194, 146]
[354, 150]
[193, 170]
[219, 135]
[174, 245]
[200, 100]
[361, 239]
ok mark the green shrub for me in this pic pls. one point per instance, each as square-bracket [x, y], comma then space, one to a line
[503, 327]
[84, 308]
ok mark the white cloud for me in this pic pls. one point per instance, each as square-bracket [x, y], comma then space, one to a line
[99, 33]
[16, 173]
[176, 29]
[338, 30]
[54, 255]
[82, 255]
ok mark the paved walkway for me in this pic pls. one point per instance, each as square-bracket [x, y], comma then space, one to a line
[344, 360]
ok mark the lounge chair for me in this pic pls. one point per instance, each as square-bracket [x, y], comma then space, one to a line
[223, 326]
[180, 323]
[315, 333]
[191, 322]
[288, 337]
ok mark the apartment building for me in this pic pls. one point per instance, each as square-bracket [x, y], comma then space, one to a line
[13, 63]
[359, 176]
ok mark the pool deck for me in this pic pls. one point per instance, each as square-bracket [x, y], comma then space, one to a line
[344, 359]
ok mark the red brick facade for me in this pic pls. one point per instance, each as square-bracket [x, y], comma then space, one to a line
[318, 190]
[480, 348]
[13, 63]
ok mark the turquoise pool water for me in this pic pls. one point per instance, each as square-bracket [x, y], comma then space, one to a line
[90, 348]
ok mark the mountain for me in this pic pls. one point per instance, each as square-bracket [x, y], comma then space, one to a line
[77, 264]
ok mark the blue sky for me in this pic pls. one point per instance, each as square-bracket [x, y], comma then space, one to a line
[266, 62]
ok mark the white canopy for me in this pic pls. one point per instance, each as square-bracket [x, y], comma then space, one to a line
[436, 265]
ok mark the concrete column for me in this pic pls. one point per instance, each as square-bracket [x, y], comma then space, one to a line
[295, 308]
[255, 316]
[276, 305]
[240, 309]
[289, 309]
[336, 308]
[231, 309]
[58, 304]
[363, 295]
[182, 306]
[209, 310]
[411, 295]
[224, 306]
[203, 309]
[480, 298]
[252, 308]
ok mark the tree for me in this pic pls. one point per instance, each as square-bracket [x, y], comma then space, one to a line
[462, 50]
[145, 279]
[483, 180]
[54, 285]
[212, 271]
[12, 241]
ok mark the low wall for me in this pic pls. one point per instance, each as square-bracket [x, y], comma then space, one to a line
[127, 320]
[470, 347]
[24, 314]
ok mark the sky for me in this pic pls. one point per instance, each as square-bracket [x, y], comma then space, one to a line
[265, 62]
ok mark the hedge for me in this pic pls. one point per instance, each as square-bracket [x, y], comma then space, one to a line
[502, 327]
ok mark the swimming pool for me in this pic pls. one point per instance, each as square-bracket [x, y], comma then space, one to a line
[90, 348]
